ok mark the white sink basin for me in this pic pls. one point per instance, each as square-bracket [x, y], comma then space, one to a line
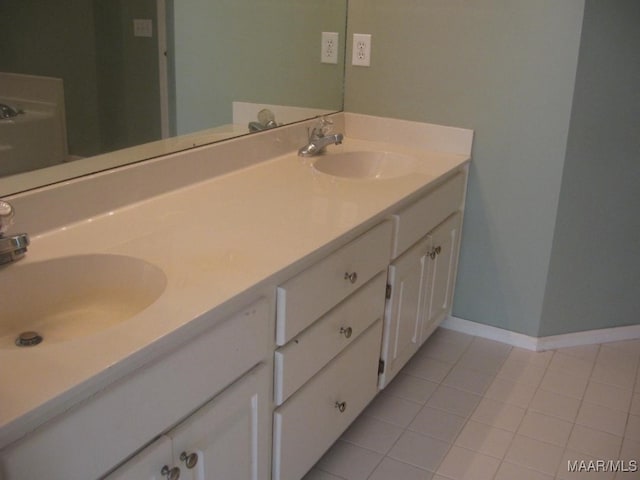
[366, 165]
[71, 297]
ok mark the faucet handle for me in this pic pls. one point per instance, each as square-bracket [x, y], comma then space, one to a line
[323, 127]
[6, 216]
[326, 125]
[267, 118]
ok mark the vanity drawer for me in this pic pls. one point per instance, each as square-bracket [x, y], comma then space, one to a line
[304, 298]
[306, 354]
[415, 221]
[312, 419]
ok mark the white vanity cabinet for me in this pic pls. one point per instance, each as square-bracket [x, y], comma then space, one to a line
[221, 440]
[421, 277]
[267, 341]
[210, 396]
[329, 324]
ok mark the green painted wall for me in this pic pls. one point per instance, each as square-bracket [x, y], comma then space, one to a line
[506, 70]
[594, 278]
[239, 63]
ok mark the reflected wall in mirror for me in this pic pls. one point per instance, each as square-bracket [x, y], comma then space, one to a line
[94, 84]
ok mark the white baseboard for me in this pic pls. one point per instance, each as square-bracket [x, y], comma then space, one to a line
[515, 339]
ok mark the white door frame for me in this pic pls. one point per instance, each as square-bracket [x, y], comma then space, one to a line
[163, 80]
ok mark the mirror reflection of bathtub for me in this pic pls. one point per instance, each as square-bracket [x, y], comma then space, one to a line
[36, 136]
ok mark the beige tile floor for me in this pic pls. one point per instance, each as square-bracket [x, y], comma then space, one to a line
[467, 408]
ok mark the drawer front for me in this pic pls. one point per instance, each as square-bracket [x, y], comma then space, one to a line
[311, 420]
[304, 298]
[306, 354]
[415, 221]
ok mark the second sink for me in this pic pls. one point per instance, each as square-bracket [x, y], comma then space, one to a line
[366, 164]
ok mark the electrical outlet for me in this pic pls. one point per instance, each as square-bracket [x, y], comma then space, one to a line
[329, 52]
[361, 50]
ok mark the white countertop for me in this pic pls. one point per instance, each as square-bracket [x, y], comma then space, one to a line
[218, 242]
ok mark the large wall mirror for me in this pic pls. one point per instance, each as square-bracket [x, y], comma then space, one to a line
[88, 85]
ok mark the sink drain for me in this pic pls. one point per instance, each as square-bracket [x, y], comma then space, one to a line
[28, 339]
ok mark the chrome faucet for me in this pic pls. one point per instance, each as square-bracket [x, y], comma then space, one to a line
[8, 112]
[319, 138]
[266, 120]
[12, 247]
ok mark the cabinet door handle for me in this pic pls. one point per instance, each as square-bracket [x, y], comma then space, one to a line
[352, 277]
[341, 406]
[170, 473]
[189, 459]
[347, 332]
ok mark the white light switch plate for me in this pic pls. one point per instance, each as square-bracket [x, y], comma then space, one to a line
[142, 27]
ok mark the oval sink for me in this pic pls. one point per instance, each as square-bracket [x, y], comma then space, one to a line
[366, 165]
[71, 297]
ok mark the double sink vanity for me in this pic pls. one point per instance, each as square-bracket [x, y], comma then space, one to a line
[232, 318]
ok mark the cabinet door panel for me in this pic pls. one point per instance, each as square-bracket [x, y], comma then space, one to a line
[441, 276]
[404, 310]
[230, 435]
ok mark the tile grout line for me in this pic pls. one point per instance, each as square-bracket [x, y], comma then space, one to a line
[566, 450]
[405, 429]
[502, 460]
[467, 418]
[435, 472]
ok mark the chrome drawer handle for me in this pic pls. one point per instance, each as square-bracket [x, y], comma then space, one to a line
[352, 277]
[341, 406]
[170, 473]
[190, 460]
[347, 332]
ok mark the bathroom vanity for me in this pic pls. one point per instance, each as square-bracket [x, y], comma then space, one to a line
[293, 292]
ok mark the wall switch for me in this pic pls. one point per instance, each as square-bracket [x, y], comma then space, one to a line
[142, 27]
[329, 53]
[361, 50]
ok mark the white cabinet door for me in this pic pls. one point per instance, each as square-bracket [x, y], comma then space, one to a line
[441, 273]
[421, 282]
[148, 464]
[228, 438]
[404, 309]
